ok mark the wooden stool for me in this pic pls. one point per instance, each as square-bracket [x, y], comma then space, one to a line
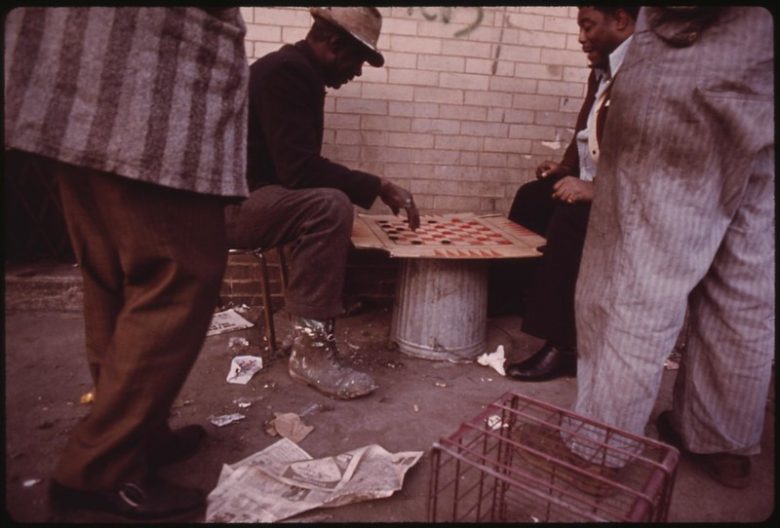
[268, 309]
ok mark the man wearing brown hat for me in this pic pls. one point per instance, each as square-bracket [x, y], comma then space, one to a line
[303, 200]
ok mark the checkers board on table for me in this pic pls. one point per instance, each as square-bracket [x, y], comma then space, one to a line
[451, 236]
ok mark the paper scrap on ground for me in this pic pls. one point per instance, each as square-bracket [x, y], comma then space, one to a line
[495, 422]
[242, 368]
[225, 419]
[494, 359]
[284, 480]
[237, 345]
[227, 321]
[288, 425]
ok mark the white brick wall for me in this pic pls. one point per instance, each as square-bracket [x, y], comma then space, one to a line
[469, 101]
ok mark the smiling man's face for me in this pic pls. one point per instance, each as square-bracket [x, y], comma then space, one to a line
[599, 35]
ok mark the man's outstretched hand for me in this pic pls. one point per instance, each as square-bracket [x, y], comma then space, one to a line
[398, 198]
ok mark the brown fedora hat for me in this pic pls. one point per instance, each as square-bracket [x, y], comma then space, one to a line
[363, 23]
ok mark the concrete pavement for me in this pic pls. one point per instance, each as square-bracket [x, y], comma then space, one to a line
[418, 402]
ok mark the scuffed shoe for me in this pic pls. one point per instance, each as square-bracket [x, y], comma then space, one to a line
[313, 361]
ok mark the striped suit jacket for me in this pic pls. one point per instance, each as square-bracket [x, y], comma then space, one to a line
[153, 94]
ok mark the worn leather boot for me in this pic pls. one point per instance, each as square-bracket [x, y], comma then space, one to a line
[314, 361]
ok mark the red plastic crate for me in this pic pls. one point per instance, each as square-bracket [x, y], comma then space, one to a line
[501, 466]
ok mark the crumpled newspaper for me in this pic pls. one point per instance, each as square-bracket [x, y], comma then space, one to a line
[494, 359]
[227, 321]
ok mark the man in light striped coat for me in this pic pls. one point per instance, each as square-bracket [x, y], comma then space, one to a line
[140, 113]
[683, 215]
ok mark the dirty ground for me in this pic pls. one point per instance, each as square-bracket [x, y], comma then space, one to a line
[418, 402]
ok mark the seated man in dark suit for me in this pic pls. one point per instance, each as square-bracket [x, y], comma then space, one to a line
[557, 204]
[302, 199]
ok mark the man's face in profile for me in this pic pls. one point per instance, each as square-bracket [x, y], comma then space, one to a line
[348, 64]
[599, 35]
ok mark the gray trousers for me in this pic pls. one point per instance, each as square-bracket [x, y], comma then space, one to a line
[683, 215]
[316, 227]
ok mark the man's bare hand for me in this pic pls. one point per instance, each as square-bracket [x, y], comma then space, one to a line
[398, 198]
[571, 189]
[546, 168]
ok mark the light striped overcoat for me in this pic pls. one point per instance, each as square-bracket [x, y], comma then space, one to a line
[153, 94]
[683, 215]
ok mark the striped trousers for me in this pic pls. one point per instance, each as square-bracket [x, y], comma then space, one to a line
[683, 216]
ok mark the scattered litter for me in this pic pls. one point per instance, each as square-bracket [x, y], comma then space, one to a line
[29, 483]
[225, 419]
[288, 425]
[238, 345]
[88, 397]
[536, 519]
[227, 321]
[416, 408]
[393, 364]
[311, 409]
[242, 308]
[243, 403]
[495, 422]
[269, 385]
[494, 359]
[242, 368]
[354, 347]
[440, 384]
[283, 480]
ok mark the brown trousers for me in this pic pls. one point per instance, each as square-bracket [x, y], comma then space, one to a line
[152, 259]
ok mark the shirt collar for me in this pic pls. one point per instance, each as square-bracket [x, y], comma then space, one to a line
[615, 60]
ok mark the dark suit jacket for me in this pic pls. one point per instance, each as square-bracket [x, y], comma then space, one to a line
[571, 158]
[286, 114]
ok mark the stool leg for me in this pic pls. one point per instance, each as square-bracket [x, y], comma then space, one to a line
[282, 268]
[268, 311]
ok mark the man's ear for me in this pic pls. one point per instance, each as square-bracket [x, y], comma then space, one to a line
[622, 19]
[336, 43]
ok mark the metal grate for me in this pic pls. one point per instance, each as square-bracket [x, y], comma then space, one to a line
[510, 464]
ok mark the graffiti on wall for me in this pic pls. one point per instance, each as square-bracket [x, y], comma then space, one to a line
[445, 15]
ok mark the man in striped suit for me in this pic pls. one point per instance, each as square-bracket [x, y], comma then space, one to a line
[683, 216]
[140, 113]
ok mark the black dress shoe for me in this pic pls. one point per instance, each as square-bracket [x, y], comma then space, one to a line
[546, 364]
[152, 498]
[730, 470]
[175, 446]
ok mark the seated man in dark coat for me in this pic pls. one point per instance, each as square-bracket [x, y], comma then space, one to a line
[303, 200]
[557, 204]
